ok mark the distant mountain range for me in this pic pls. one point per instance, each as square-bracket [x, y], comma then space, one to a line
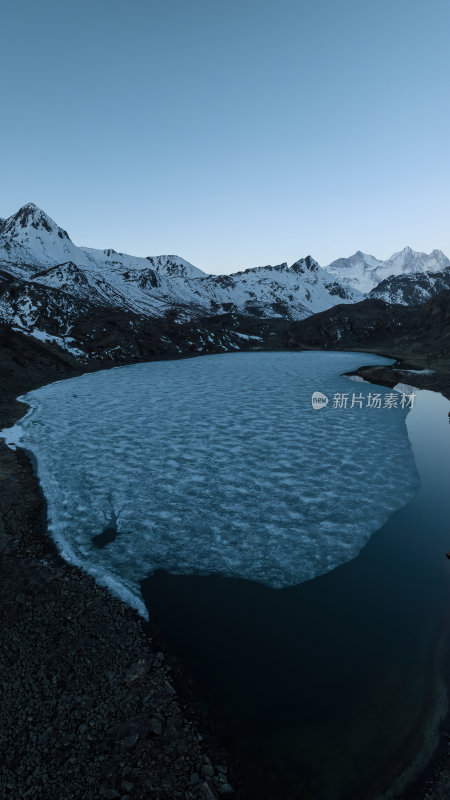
[35, 249]
[71, 296]
[364, 272]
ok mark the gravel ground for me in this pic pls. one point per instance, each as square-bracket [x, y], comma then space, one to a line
[88, 703]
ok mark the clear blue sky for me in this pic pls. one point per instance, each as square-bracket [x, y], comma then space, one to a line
[233, 133]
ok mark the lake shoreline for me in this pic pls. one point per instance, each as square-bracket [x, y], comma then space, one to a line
[314, 610]
[25, 544]
[124, 677]
[391, 375]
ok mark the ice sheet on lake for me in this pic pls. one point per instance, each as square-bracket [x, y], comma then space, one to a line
[217, 464]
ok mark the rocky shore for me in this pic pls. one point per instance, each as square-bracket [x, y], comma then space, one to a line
[390, 376]
[91, 706]
[417, 337]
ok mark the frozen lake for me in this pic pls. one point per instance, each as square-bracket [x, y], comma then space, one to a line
[218, 465]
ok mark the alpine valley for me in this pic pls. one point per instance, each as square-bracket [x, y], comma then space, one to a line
[65, 308]
[82, 677]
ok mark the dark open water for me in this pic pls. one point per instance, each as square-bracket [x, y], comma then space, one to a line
[330, 690]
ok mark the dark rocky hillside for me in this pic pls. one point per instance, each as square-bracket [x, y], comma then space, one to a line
[417, 336]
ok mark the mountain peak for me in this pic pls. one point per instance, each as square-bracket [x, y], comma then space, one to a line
[307, 263]
[438, 254]
[364, 272]
[31, 216]
[29, 207]
[174, 266]
[31, 237]
[27, 212]
[418, 260]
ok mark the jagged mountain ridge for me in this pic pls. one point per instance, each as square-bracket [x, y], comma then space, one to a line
[34, 248]
[74, 297]
[30, 238]
[364, 272]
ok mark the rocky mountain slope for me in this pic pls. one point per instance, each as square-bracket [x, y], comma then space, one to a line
[37, 253]
[417, 336]
[100, 306]
[375, 324]
[364, 272]
[413, 288]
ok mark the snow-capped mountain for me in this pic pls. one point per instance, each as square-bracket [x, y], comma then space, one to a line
[275, 290]
[357, 271]
[31, 238]
[103, 307]
[35, 249]
[364, 272]
[412, 288]
[110, 260]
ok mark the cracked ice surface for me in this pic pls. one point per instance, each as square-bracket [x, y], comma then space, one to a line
[217, 464]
